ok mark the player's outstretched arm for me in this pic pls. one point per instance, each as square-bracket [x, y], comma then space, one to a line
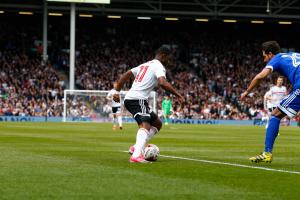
[123, 79]
[109, 97]
[255, 81]
[119, 84]
[168, 87]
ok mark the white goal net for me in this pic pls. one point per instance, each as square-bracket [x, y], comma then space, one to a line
[93, 106]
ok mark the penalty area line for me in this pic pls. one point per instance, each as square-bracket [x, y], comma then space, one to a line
[229, 164]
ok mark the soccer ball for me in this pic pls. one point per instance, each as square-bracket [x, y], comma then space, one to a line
[151, 152]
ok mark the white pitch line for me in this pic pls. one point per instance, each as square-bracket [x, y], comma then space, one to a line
[229, 164]
[232, 164]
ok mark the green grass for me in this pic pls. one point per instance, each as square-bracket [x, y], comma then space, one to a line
[85, 161]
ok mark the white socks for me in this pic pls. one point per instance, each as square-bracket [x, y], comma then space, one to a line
[153, 130]
[120, 121]
[141, 138]
[114, 121]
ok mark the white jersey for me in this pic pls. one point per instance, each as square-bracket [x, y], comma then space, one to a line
[110, 96]
[276, 94]
[146, 76]
[267, 101]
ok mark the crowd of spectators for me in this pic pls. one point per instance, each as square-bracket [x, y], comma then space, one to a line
[28, 87]
[211, 69]
[211, 75]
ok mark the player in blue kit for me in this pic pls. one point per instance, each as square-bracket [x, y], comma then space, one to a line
[287, 64]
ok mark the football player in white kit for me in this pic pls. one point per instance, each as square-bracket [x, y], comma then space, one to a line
[274, 96]
[116, 110]
[146, 76]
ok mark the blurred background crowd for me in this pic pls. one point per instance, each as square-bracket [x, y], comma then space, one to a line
[212, 68]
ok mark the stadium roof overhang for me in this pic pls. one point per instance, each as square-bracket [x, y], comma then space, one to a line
[214, 9]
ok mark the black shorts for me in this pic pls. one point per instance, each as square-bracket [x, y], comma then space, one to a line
[116, 110]
[140, 110]
[271, 109]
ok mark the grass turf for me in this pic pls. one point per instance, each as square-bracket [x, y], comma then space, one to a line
[85, 161]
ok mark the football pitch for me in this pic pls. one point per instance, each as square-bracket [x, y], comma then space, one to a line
[87, 161]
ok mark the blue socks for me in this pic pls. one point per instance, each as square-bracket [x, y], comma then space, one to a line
[271, 133]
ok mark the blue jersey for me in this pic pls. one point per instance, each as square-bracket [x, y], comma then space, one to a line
[287, 64]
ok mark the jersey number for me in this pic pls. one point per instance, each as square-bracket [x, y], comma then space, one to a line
[141, 73]
[295, 58]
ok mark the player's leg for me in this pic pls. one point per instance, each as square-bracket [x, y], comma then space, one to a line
[141, 139]
[114, 118]
[120, 122]
[150, 129]
[168, 117]
[287, 121]
[156, 125]
[288, 106]
[273, 129]
[119, 116]
[269, 116]
[165, 117]
[146, 130]
[271, 134]
[139, 110]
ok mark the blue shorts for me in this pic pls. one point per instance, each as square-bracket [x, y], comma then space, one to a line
[290, 105]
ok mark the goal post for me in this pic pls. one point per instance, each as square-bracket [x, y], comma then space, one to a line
[93, 106]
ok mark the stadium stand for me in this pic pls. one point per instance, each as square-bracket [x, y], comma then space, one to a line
[211, 68]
